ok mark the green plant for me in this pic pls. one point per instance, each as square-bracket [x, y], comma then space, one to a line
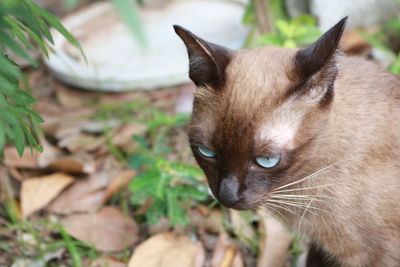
[293, 33]
[169, 186]
[22, 23]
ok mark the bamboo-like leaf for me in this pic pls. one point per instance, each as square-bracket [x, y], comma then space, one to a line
[128, 11]
[9, 42]
[53, 21]
[19, 139]
[7, 68]
[35, 38]
[17, 32]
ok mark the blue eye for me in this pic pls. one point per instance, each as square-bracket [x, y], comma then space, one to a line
[206, 152]
[268, 162]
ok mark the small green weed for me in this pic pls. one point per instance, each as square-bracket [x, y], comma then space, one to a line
[172, 187]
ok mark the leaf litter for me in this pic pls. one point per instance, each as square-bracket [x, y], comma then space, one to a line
[81, 181]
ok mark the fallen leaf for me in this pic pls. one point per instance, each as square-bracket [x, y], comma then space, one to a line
[238, 260]
[120, 180]
[225, 253]
[76, 142]
[210, 220]
[274, 243]
[72, 98]
[37, 192]
[78, 163]
[123, 136]
[166, 250]
[28, 159]
[107, 230]
[161, 226]
[107, 262]
[86, 195]
[72, 122]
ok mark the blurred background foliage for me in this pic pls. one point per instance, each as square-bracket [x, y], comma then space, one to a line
[23, 27]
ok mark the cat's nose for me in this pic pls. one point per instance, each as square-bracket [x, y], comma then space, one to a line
[228, 193]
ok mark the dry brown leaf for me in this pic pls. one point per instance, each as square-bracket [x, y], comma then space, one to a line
[28, 159]
[107, 230]
[107, 262]
[50, 153]
[274, 243]
[72, 122]
[76, 142]
[37, 192]
[72, 98]
[78, 163]
[162, 226]
[208, 219]
[238, 260]
[120, 180]
[86, 195]
[225, 253]
[123, 136]
[166, 250]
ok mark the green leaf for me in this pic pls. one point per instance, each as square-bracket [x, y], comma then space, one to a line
[175, 212]
[35, 38]
[270, 39]
[2, 138]
[7, 68]
[17, 32]
[191, 193]
[9, 42]
[53, 21]
[19, 139]
[71, 3]
[145, 181]
[128, 11]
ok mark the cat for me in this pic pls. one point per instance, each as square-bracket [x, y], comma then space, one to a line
[308, 134]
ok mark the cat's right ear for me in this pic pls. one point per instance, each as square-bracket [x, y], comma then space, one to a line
[207, 61]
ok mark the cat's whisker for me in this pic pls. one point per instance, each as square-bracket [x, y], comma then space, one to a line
[302, 216]
[319, 197]
[308, 177]
[292, 198]
[299, 196]
[293, 204]
[307, 188]
[271, 211]
[280, 207]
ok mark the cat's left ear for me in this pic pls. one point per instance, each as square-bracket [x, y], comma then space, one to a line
[317, 63]
[207, 61]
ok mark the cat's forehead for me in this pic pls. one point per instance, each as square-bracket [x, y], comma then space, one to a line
[263, 71]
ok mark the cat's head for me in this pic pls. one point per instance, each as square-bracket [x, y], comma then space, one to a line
[256, 111]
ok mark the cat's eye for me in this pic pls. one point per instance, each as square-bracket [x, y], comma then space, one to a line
[268, 162]
[206, 152]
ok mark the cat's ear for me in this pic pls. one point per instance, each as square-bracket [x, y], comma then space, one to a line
[313, 58]
[315, 67]
[207, 61]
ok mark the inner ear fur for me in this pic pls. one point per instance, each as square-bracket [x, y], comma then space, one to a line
[207, 61]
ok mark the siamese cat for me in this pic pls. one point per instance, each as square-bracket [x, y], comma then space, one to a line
[310, 135]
